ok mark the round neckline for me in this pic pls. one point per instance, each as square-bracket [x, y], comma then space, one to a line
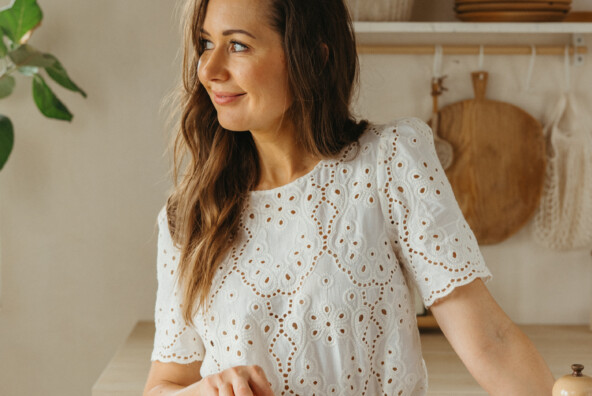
[297, 181]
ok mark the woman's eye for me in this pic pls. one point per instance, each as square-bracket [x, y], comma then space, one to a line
[238, 47]
[206, 44]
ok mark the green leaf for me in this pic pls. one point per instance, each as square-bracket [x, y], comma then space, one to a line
[19, 18]
[25, 55]
[7, 84]
[46, 101]
[57, 72]
[6, 139]
[3, 49]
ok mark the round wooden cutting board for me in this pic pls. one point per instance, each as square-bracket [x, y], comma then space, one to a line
[499, 162]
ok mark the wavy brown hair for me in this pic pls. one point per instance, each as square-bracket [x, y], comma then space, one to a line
[214, 169]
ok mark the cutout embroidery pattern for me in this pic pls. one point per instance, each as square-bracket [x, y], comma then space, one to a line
[314, 288]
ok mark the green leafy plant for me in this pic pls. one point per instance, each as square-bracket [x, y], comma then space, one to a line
[17, 22]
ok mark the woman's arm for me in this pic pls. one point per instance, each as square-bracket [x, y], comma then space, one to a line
[495, 351]
[173, 379]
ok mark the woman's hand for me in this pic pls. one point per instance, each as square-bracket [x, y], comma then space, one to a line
[235, 381]
[168, 379]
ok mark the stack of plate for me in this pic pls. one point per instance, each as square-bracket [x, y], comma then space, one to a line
[512, 11]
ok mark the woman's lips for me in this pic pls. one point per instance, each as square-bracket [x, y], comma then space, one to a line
[222, 98]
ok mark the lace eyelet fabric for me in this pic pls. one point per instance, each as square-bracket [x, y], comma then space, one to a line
[316, 286]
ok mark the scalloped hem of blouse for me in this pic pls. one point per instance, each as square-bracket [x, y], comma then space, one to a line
[485, 276]
[177, 359]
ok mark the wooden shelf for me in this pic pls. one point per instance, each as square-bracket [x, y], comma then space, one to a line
[472, 27]
[396, 37]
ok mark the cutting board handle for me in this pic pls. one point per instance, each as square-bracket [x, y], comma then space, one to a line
[479, 84]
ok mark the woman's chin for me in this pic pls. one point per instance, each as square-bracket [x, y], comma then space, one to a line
[233, 125]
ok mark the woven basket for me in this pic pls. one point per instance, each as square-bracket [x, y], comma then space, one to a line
[380, 10]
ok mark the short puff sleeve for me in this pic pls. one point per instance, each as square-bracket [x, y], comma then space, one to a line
[427, 229]
[175, 340]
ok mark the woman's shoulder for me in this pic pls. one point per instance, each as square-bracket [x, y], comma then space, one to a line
[162, 221]
[406, 135]
[402, 127]
[408, 139]
[162, 217]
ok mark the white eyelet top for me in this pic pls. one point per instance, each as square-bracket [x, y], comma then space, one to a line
[315, 288]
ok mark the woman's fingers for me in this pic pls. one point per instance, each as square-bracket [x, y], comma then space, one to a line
[225, 389]
[241, 387]
[237, 381]
[259, 382]
[209, 386]
[238, 378]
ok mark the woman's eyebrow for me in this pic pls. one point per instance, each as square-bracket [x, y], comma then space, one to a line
[231, 31]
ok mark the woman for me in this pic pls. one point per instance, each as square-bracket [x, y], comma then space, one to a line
[287, 248]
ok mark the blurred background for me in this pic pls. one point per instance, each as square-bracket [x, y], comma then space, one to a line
[79, 200]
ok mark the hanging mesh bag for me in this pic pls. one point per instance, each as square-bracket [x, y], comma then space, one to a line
[564, 217]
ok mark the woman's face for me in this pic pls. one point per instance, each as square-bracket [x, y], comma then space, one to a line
[243, 66]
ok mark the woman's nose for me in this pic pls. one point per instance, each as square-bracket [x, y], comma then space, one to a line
[212, 66]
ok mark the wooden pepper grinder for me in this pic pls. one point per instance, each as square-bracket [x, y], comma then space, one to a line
[574, 384]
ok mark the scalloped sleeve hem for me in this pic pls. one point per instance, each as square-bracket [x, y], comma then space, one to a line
[174, 340]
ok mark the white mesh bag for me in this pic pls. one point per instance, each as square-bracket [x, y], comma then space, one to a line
[564, 217]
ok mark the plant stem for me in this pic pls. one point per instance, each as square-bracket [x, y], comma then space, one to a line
[6, 66]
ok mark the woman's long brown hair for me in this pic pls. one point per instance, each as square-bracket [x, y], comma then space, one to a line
[214, 169]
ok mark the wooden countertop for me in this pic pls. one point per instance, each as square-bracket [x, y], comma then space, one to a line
[560, 346]
[126, 373]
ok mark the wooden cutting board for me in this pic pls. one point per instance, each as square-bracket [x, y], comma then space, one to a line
[499, 162]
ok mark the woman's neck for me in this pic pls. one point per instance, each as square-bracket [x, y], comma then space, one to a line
[281, 159]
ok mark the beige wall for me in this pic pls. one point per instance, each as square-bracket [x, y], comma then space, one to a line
[78, 201]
